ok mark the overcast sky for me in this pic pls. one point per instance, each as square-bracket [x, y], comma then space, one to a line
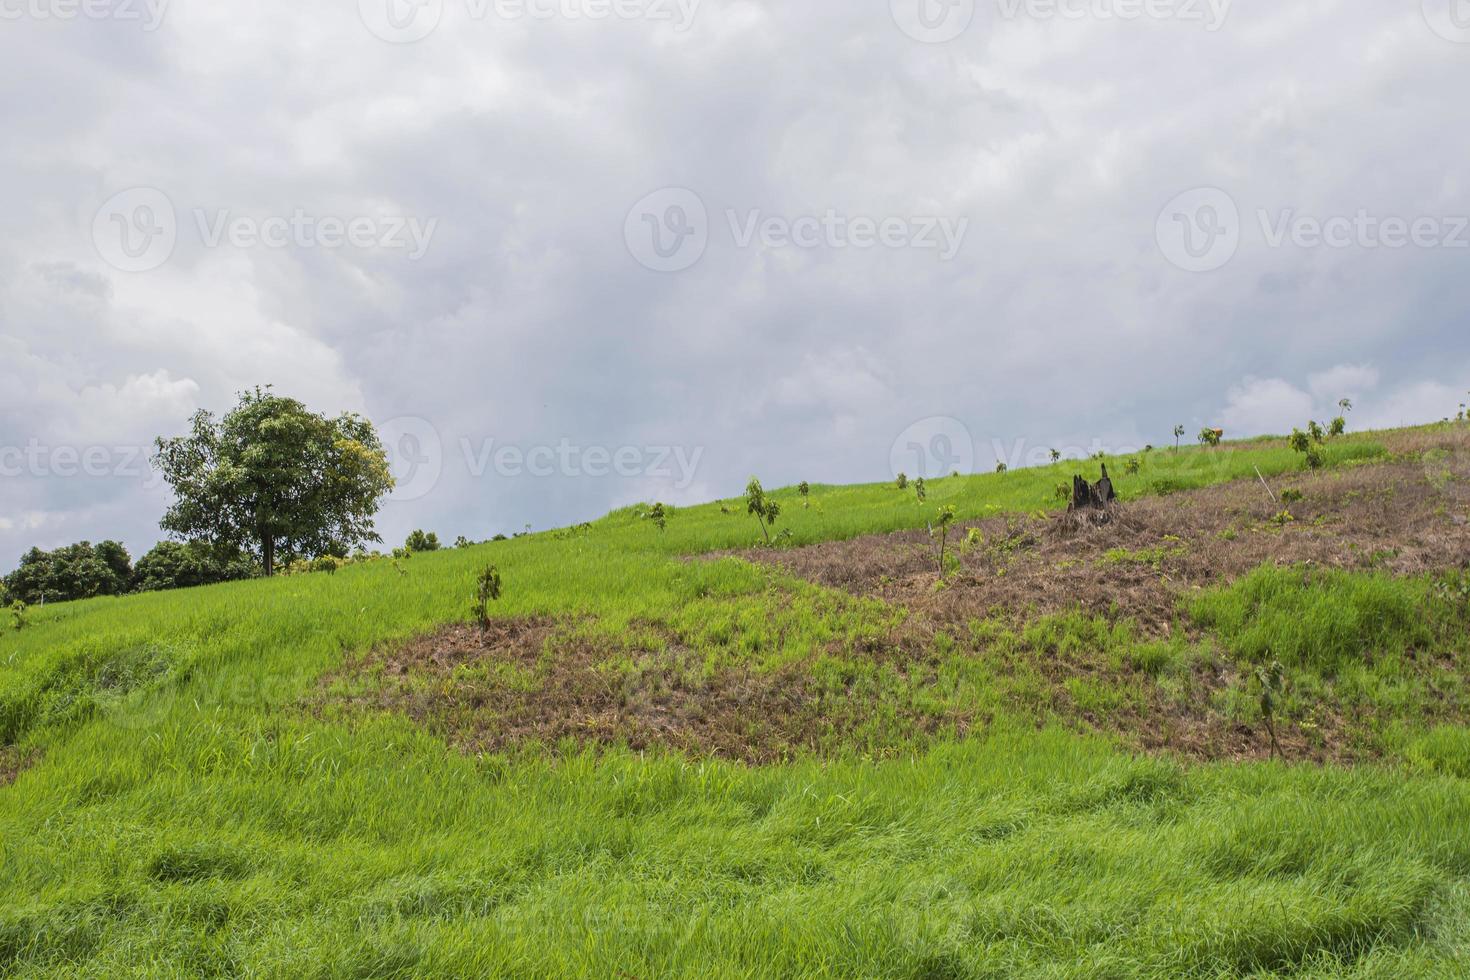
[573, 254]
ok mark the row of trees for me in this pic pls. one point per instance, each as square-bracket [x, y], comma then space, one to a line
[85, 570]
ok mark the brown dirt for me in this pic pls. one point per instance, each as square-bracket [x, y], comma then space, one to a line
[1388, 516]
[13, 762]
[454, 683]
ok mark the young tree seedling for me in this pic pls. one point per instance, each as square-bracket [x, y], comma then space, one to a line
[487, 590]
[940, 530]
[765, 509]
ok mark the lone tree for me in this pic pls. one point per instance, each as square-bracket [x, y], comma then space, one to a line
[275, 480]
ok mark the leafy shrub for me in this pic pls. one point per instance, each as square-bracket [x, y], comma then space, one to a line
[1307, 442]
[78, 571]
[419, 542]
[903, 481]
[1211, 437]
[183, 565]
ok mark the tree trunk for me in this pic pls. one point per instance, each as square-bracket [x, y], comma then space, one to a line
[1092, 496]
[1092, 503]
[268, 555]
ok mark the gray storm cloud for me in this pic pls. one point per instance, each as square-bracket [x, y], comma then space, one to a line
[655, 254]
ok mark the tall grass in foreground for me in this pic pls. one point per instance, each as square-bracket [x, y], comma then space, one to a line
[282, 848]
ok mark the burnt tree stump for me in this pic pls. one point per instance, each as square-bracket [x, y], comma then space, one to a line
[1092, 503]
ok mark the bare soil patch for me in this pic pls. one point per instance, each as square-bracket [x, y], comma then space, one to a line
[1394, 516]
[13, 762]
[525, 683]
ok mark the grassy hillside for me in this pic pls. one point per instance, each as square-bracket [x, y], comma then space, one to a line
[305, 777]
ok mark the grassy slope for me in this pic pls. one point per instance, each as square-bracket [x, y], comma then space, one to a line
[188, 818]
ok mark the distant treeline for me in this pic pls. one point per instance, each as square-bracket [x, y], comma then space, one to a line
[85, 570]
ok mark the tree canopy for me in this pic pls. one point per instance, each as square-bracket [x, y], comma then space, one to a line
[275, 480]
[175, 565]
[77, 571]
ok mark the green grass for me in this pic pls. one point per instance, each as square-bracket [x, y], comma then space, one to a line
[191, 815]
[1331, 621]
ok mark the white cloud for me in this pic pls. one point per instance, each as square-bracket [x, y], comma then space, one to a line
[1267, 406]
[1352, 381]
[1413, 404]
